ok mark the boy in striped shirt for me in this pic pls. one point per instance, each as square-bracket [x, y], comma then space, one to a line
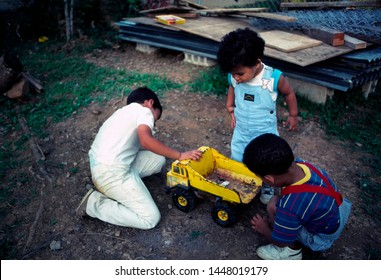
[310, 211]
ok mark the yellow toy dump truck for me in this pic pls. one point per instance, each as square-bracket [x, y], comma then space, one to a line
[230, 182]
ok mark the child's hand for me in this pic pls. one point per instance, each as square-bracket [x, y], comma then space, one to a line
[259, 224]
[194, 155]
[291, 123]
[232, 123]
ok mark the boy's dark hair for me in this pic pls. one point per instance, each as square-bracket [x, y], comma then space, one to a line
[268, 154]
[241, 47]
[141, 94]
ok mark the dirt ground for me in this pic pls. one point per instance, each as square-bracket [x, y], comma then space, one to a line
[41, 223]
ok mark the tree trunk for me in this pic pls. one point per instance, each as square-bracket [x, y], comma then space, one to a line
[69, 6]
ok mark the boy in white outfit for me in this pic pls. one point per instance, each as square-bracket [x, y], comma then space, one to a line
[123, 152]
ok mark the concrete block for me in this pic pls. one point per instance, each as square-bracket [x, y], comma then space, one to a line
[198, 60]
[314, 93]
[369, 88]
[146, 48]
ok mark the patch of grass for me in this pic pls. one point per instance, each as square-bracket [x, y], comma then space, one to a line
[53, 221]
[349, 116]
[211, 81]
[195, 234]
[72, 83]
[73, 170]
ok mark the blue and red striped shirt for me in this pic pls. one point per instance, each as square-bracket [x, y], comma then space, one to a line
[318, 213]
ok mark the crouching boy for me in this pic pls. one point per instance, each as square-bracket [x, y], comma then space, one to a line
[310, 211]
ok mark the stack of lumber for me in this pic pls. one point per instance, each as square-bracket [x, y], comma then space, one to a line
[321, 56]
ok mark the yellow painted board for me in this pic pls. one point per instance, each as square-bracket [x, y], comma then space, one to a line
[288, 42]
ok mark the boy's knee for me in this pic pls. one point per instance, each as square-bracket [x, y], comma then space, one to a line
[152, 221]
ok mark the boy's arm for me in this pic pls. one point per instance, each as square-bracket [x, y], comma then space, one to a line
[286, 90]
[148, 142]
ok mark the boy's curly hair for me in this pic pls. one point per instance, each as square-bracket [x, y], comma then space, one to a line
[241, 47]
[268, 154]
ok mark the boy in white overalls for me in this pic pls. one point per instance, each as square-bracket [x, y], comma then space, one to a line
[124, 151]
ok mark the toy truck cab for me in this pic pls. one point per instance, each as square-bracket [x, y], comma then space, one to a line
[229, 182]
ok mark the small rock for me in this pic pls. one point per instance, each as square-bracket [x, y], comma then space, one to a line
[55, 245]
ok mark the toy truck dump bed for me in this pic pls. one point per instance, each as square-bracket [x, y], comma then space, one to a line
[229, 181]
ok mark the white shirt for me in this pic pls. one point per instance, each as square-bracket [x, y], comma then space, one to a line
[117, 141]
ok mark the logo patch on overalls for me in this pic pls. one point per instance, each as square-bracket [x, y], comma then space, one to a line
[248, 97]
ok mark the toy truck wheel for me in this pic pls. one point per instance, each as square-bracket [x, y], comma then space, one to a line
[184, 199]
[223, 214]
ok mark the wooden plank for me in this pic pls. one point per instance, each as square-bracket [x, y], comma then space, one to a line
[287, 42]
[168, 9]
[270, 16]
[233, 10]
[215, 28]
[308, 56]
[336, 4]
[354, 43]
[329, 36]
[193, 5]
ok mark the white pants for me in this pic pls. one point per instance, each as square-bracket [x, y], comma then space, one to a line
[122, 198]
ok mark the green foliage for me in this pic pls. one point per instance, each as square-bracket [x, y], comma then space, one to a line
[47, 18]
[93, 15]
[350, 117]
[72, 83]
[211, 81]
